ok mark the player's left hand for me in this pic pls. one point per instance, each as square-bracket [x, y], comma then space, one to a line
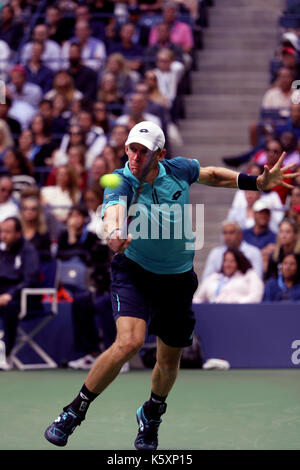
[276, 175]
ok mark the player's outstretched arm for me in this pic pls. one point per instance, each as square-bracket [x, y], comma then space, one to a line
[224, 178]
[114, 217]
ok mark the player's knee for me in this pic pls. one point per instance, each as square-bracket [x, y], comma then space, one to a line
[128, 347]
[168, 365]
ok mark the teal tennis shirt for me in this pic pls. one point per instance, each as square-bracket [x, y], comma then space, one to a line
[161, 228]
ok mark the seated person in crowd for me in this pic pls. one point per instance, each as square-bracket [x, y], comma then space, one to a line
[288, 241]
[34, 227]
[138, 110]
[233, 238]
[36, 71]
[237, 282]
[19, 169]
[109, 94]
[22, 90]
[279, 96]
[19, 268]
[94, 137]
[99, 168]
[287, 285]
[260, 234]
[126, 78]
[85, 78]
[11, 31]
[13, 124]
[132, 52]
[163, 42]
[8, 206]
[61, 197]
[292, 123]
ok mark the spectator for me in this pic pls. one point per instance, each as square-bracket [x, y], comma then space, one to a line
[154, 94]
[169, 74]
[237, 282]
[126, 79]
[294, 202]
[260, 234]
[26, 144]
[102, 118]
[117, 141]
[21, 89]
[43, 146]
[289, 145]
[6, 140]
[34, 227]
[110, 155]
[85, 78]
[163, 42]
[137, 110]
[132, 52]
[52, 51]
[63, 84]
[279, 96]
[99, 168]
[75, 136]
[288, 241]
[65, 194]
[93, 198]
[5, 59]
[97, 25]
[181, 33]
[292, 124]
[58, 30]
[11, 31]
[232, 238]
[8, 207]
[286, 287]
[13, 124]
[57, 119]
[93, 53]
[141, 30]
[154, 107]
[75, 157]
[95, 139]
[108, 93]
[36, 71]
[19, 268]
[20, 170]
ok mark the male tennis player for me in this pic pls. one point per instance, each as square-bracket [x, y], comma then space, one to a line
[153, 281]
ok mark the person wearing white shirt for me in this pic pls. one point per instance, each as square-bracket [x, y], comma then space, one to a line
[233, 238]
[51, 56]
[5, 55]
[8, 208]
[169, 73]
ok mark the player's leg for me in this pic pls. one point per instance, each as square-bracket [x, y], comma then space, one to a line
[163, 377]
[130, 338]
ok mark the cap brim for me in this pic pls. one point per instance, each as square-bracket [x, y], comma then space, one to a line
[140, 140]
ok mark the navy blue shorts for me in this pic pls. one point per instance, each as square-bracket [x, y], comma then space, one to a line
[163, 300]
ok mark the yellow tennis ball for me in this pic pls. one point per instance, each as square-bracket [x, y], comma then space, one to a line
[110, 181]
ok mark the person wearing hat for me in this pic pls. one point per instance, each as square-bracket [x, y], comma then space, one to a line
[260, 234]
[153, 281]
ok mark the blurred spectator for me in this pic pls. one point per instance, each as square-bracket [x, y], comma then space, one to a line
[294, 201]
[13, 124]
[117, 141]
[43, 146]
[63, 84]
[181, 33]
[75, 136]
[58, 26]
[85, 78]
[19, 169]
[61, 197]
[97, 25]
[23, 90]
[102, 117]
[292, 124]
[6, 140]
[93, 53]
[289, 59]
[95, 139]
[260, 234]
[126, 79]
[99, 168]
[19, 268]
[152, 6]
[232, 238]
[34, 226]
[132, 52]
[75, 157]
[154, 93]
[289, 145]
[8, 206]
[11, 31]
[237, 282]
[5, 58]
[141, 30]
[36, 71]
[25, 143]
[137, 110]
[154, 107]
[286, 287]
[57, 118]
[279, 96]
[169, 74]
[93, 198]
[108, 93]
[52, 51]
[163, 42]
[288, 241]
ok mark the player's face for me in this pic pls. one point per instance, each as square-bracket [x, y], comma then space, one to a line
[137, 158]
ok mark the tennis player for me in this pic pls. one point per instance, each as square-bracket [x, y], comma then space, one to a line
[153, 280]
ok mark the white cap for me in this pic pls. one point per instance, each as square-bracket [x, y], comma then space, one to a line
[147, 133]
[261, 205]
[291, 38]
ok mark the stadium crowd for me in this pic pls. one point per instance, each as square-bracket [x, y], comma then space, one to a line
[77, 77]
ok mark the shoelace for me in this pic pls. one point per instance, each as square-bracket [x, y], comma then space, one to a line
[67, 421]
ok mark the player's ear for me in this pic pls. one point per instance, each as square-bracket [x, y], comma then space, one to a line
[162, 154]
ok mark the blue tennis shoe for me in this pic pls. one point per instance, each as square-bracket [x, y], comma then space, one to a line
[147, 438]
[59, 431]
